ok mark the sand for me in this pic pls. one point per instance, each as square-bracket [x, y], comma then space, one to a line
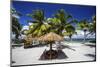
[76, 53]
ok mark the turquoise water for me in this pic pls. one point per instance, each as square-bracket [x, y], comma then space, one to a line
[79, 40]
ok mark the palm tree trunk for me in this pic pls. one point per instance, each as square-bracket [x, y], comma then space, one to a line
[16, 36]
[70, 37]
[18, 32]
[84, 37]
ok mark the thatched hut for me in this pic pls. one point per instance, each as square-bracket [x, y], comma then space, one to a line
[50, 37]
[29, 40]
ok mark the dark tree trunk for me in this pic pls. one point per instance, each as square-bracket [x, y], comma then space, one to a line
[50, 46]
[16, 36]
[50, 50]
[70, 37]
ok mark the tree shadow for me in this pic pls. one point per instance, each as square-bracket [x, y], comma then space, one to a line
[66, 46]
[13, 46]
[90, 45]
[35, 46]
[15, 66]
[60, 55]
[91, 55]
[13, 62]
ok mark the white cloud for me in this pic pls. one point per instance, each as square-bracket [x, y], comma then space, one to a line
[26, 27]
[30, 24]
[16, 16]
[80, 32]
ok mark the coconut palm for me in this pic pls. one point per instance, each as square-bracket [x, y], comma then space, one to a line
[84, 25]
[55, 23]
[65, 19]
[16, 26]
[92, 28]
[59, 22]
[39, 26]
[61, 15]
[62, 22]
[69, 31]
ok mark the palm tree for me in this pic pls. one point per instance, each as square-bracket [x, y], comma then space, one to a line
[16, 26]
[84, 25]
[92, 27]
[39, 26]
[65, 20]
[54, 23]
[69, 31]
[60, 21]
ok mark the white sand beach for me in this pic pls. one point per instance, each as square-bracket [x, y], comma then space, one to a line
[77, 52]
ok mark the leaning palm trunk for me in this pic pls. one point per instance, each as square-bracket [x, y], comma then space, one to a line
[18, 32]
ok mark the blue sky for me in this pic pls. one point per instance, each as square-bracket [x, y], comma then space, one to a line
[78, 12]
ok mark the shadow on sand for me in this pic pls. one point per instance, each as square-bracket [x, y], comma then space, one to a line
[91, 55]
[67, 46]
[16, 66]
[13, 62]
[13, 46]
[60, 53]
[90, 45]
[34, 46]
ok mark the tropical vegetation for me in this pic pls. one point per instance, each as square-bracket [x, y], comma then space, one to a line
[43, 28]
[16, 26]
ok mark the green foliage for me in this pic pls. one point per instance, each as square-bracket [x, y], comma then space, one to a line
[83, 25]
[37, 15]
[61, 15]
[13, 11]
[61, 21]
[39, 26]
[92, 26]
[69, 30]
[65, 22]
[53, 21]
[16, 26]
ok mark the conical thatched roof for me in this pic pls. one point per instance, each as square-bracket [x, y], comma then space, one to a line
[50, 37]
[29, 38]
